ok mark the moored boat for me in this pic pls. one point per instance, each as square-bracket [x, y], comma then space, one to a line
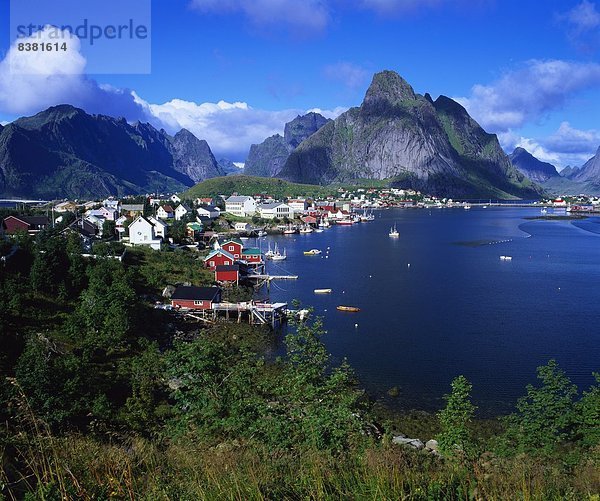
[323, 291]
[312, 252]
[394, 232]
[353, 309]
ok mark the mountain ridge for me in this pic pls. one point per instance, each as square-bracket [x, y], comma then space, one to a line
[65, 152]
[433, 146]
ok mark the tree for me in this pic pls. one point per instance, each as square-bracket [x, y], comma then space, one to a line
[545, 414]
[455, 418]
[108, 229]
[588, 415]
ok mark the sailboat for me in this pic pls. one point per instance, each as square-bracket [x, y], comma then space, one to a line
[394, 232]
[269, 254]
[277, 256]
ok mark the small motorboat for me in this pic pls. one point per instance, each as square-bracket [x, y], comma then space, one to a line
[312, 252]
[323, 291]
[505, 258]
[394, 232]
[353, 309]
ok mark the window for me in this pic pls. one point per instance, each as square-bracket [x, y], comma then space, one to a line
[226, 262]
[231, 248]
[198, 303]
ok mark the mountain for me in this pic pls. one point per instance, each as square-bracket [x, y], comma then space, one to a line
[192, 157]
[569, 171]
[268, 158]
[531, 167]
[65, 152]
[396, 134]
[228, 167]
[589, 172]
[577, 180]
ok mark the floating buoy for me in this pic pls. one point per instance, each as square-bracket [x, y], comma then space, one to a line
[356, 326]
[409, 265]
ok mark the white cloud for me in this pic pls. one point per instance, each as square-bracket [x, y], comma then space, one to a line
[351, 75]
[529, 92]
[32, 81]
[334, 113]
[306, 14]
[566, 146]
[574, 141]
[583, 17]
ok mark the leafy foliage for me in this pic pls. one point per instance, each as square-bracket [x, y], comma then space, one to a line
[455, 419]
[546, 414]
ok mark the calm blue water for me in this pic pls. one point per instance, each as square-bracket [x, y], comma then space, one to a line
[458, 309]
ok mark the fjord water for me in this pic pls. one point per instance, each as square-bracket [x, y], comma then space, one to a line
[439, 302]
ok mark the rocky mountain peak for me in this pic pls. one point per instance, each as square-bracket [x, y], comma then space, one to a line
[302, 127]
[389, 86]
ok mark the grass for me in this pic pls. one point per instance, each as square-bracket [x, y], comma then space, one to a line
[88, 468]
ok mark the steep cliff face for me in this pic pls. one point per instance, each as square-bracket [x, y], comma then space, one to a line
[268, 158]
[589, 171]
[531, 167]
[193, 157]
[65, 152]
[398, 134]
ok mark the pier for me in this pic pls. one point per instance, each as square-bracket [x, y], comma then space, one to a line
[255, 313]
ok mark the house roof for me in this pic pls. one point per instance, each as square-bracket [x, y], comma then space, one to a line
[196, 293]
[185, 207]
[231, 267]
[210, 208]
[219, 251]
[272, 205]
[132, 207]
[31, 220]
[231, 240]
[251, 252]
[157, 222]
[237, 199]
[167, 208]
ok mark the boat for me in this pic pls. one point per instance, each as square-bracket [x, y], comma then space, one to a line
[290, 230]
[544, 211]
[312, 252]
[467, 207]
[262, 233]
[345, 222]
[319, 230]
[394, 232]
[269, 254]
[306, 229]
[353, 309]
[324, 223]
[279, 257]
[505, 258]
[323, 291]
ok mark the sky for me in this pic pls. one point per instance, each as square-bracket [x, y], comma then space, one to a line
[234, 71]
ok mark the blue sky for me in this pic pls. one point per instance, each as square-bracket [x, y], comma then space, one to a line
[235, 71]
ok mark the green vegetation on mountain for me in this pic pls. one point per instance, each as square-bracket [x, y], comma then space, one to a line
[251, 185]
[435, 147]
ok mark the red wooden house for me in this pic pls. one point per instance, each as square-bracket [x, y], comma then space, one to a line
[234, 247]
[30, 224]
[227, 273]
[219, 257]
[195, 298]
[252, 256]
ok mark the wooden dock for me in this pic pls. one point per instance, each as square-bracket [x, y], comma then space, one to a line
[256, 313]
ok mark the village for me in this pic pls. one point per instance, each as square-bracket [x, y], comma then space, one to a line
[218, 229]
